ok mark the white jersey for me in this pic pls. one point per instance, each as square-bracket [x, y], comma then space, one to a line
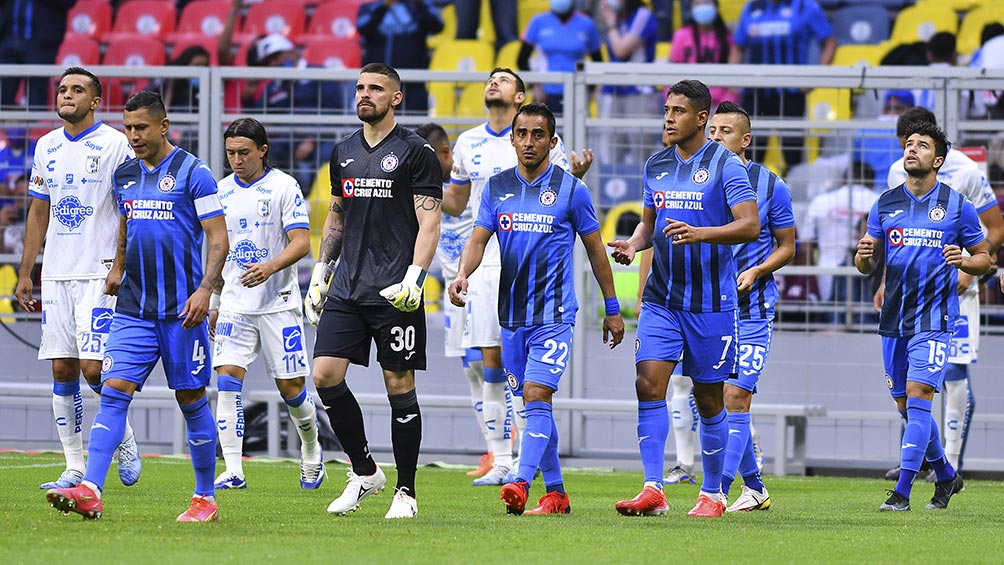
[959, 172]
[74, 175]
[834, 221]
[454, 231]
[259, 216]
[480, 153]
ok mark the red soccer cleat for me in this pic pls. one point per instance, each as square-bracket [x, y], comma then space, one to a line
[80, 499]
[552, 503]
[485, 465]
[707, 507]
[201, 510]
[649, 502]
[514, 495]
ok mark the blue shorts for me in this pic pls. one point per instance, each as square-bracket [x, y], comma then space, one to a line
[135, 345]
[538, 354]
[920, 358]
[707, 341]
[754, 346]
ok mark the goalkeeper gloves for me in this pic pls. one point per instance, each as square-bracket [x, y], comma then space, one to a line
[317, 292]
[406, 295]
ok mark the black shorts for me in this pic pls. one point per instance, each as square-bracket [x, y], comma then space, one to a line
[346, 331]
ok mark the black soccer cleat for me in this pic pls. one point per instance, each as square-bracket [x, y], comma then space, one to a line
[943, 492]
[895, 503]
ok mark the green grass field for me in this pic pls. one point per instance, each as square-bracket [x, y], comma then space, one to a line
[813, 519]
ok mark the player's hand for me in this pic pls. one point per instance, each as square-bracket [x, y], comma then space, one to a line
[613, 330]
[317, 292]
[953, 255]
[579, 168]
[23, 292]
[113, 280]
[256, 274]
[878, 298]
[680, 232]
[745, 281]
[406, 295]
[622, 251]
[214, 314]
[866, 247]
[196, 308]
[457, 290]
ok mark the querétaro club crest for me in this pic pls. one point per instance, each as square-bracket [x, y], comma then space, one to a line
[71, 212]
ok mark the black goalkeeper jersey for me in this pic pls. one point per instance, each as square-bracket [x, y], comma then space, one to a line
[378, 186]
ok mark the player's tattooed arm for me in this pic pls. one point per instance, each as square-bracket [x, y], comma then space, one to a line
[218, 245]
[333, 232]
[114, 278]
[427, 209]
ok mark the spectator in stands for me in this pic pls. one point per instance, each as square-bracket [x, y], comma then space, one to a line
[875, 146]
[503, 18]
[395, 33]
[705, 39]
[15, 157]
[182, 94]
[562, 38]
[778, 32]
[988, 103]
[940, 50]
[30, 34]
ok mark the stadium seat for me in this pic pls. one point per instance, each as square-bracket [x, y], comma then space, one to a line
[8, 282]
[508, 55]
[828, 104]
[90, 18]
[972, 26]
[77, 51]
[957, 5]
[130, 51]
[332, 52]
[861, 24]
[662, 51]
[919, 23]
[526, 10]
[463, 55]
[731, 10]
[154, 18]
[333, 19]
[853, 55]
[205, 17]
[471, 103]
[276, 16]
[449, 32]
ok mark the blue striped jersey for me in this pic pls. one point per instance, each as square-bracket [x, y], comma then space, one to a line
[779, 32]
[536, 223]
[701, 191]
[920, 288]
[163, 208]
[773, 200]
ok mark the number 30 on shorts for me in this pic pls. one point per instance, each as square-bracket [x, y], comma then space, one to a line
[402, 339]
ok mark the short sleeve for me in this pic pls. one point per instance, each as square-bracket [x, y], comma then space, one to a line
[681, 45]
[818, 22]
[737, 181]
[780, 214]
[203, 190]
[37, 187]
[486, 214]
[874, 223]
[335, 172]
[532, 33]
[294, 208]
[426, 173]
[459, 174]
[970, 232]
[583, 214]
[557, 156]
[741, 36]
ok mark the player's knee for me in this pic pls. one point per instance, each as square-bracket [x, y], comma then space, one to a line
[737, 399]
[189, 396]
[66, 370]
[648, 387]
[710, 399]
[533, 392]
[290, 388]
[91, 371]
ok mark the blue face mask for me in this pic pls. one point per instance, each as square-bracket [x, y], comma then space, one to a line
[704, 14]
[561, 7]
[194, 82]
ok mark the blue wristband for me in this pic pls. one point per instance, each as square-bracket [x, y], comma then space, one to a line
[611, 306]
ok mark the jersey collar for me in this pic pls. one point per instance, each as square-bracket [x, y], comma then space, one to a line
[142, 165]
[694, 156]
[499, 134]
[82, 134]
[539, 181]
[255, 181]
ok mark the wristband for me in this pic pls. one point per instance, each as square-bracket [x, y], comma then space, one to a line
[415, 275]
[611, 306]
[214, 301]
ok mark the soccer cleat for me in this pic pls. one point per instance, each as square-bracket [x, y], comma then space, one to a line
[757, 452]
[932, 477]
[485, 465]
[80, 499]
[708, 507]
[129, 462]
[552, 503]
[357, 489]
[895, 503]
[201, 510]
[649, 502]
[403, 505]
[892, 474]
[495, 477]
[311, 475]
[944, 490]
[229, 481]
[69, 479]
[679, 475]
[750, 500]
[514, 495]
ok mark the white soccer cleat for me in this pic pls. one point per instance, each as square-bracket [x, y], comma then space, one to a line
[130, 464]
[229, 481]
[311, 475]
[403, 506]
[750, 500]
[69, 479]
[494, 477]
[357, 489]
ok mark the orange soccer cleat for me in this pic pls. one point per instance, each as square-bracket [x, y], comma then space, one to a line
[514, 495]
[485, 465]
[201, 510]
[649, 502]
[707, 507]
[552, 503]
[80, 499]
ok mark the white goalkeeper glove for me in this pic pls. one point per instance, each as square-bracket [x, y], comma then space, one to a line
[406, 295]
[317, 292]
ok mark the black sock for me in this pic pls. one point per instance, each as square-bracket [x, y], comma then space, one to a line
[406, 435]
[347, 422]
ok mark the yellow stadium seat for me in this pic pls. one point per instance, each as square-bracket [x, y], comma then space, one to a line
[731, 10]
[527, 9]
[625, 277]
[442, 99]
[463, 55]
[8, 282]
[855, 55]
[828, 104]
[319, 201]
[968, 39]
[486, 27]
[472, 101]
[920, 22]
[433, 293]
[508, 55]
[663, 50]
[449, 31]
[957, 5]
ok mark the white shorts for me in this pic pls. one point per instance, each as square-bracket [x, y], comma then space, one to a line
[454, 318]
[76, 317]
[965, 343]
[482, 327]
[278, 335]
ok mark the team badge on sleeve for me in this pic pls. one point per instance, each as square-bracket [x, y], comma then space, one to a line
[389, 162]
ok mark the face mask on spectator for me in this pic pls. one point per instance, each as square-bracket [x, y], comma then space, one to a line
[704, 14]
[615, 5]
[561, 7]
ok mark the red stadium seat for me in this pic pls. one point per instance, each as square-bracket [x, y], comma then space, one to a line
[89, 18]
[332, 52]
[205, 17]
[334, 19]
[154, 18]
[77, 51]
[135, 51]
[276, 16]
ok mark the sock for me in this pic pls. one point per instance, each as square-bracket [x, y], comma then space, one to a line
[474, 370]
[536, 436]
[550, 465]
[739, 440]
[714, 439]
[495, 407]
[68, 412]
[748, 467]
[684, 419]
[518, 420]
[347, 422]
[106, 434]
[653, 429]
[406, 437]
[230, 422]
[127, 432]
[201, 444]
[916, 437]
[303, 413]
[959, 406]
[935, 455]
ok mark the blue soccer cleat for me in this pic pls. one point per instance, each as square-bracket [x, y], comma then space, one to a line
[229, 481]
[129, 462]
[69, 479]
[679, 475]
[311, 475]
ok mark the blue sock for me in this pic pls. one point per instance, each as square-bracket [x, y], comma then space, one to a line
[740, 438]
[550, 465]
[536, 436]
[106, 434]
[70, 388]
[653, 429]
[298, 399]
[749, 469]
[935, 455]
[96, 388]
[201, 444]
[714, 439]
[916, 436]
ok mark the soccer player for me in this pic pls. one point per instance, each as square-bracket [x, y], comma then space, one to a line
[964, 175]
[168, 200]
[756, 262]
[259, 309]
[698, 195]
[920, 229]
[479, 153]
[382, 228]
[536, 210]
[71, 183]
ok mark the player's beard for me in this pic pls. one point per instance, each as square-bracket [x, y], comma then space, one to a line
[917, 171]
[74, 116]
[371, 114]
[496, 103]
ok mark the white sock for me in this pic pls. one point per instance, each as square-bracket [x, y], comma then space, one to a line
[92, 486]
[305, 418]
[499, 434]
[475, 373]
[128, 432]
[956, 398]
[68, 413]
[684, 417]
[518, 420]
[230, 426]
